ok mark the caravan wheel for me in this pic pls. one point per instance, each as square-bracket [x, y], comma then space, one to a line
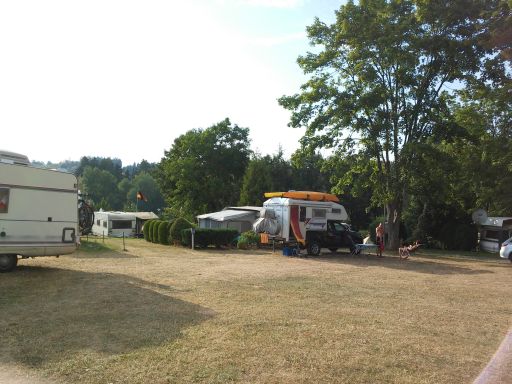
[8, 262]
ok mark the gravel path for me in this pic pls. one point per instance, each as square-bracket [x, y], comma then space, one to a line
[499, 369]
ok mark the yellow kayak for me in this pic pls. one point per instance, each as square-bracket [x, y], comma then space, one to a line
[304, 195]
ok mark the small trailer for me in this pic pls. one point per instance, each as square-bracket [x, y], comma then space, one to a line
[114, 224]
[313, 220]
[38, 211]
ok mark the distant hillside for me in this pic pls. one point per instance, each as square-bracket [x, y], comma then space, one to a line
[67, 165]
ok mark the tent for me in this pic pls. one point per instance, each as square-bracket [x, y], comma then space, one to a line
[239, 218]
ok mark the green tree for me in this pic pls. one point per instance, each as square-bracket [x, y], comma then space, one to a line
[257, 180]
[113, 166]
[377, 84]
[101, 188]
[150, 189]
[309, 171]
[203, 170]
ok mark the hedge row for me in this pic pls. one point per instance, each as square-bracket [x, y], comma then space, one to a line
[165, 232]
[205, 237]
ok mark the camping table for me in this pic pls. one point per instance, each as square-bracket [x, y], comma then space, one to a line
[364, 249]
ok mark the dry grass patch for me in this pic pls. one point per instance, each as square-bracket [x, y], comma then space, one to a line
[163, 314]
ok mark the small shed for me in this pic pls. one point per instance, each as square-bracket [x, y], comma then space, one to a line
[493, 232]
[140, 219]
[239, 218]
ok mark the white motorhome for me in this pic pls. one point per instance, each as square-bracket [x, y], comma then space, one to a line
[114, 224]
[38, 211]
[312, 219]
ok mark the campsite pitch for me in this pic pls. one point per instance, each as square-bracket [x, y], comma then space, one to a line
[160, 314]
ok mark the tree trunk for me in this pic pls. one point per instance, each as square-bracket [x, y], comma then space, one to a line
[393, 225]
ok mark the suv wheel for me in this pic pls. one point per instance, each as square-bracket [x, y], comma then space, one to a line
[314, 248]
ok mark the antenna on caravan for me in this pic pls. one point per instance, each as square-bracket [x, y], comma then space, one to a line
[479, 216]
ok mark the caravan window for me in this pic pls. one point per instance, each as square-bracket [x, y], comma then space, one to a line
[4, 200]
[98, 222]
[319, 213]
[490, 234]
[121, 224]
[105, 224]
[302, 214]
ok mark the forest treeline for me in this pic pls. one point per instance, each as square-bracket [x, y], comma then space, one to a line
[410, 103]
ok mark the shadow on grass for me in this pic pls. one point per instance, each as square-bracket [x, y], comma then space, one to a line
[414, 263]
[49, 314]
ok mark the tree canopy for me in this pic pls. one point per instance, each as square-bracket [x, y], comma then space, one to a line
[203, 170]
[379, 82]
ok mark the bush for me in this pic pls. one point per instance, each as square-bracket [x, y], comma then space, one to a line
[459, 236]
[150, 229]
[243, 243]
[250, 238]
[177, 227]
[163, 233]
[205, 237]
[154, 231]
[146, 230]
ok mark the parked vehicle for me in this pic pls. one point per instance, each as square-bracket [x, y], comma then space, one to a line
[506, 249]
[38, 211]
[314, 220]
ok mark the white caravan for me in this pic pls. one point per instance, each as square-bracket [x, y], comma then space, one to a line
[38, 211]
[114, 224]
[311, 219]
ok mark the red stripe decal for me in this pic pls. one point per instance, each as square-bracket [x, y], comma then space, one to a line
[294, 222]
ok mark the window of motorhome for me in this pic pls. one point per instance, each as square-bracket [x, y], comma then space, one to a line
[302, 214]
[121, 224]
[319, 213]
[490, 234]
[4, 200]
[98, 222]
[105, 224]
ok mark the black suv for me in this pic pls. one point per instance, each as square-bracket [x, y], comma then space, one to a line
[338, 235]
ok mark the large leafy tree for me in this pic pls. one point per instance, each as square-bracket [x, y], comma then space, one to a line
[100, 187]
[203, 170]
[378, 82]
[153, 200]
[257, 180]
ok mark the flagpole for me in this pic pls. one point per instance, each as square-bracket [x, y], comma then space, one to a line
[136, 203]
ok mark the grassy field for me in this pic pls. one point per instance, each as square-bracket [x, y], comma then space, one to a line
[160, 314]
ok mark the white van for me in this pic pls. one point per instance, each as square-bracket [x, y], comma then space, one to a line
[38, 211]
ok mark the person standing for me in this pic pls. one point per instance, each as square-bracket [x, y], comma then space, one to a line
[379, 237]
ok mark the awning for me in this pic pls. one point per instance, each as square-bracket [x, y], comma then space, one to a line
[228, 215]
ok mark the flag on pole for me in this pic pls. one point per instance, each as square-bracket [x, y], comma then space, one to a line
[140, 196]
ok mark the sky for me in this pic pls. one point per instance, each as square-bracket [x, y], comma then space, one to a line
[124, 78]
